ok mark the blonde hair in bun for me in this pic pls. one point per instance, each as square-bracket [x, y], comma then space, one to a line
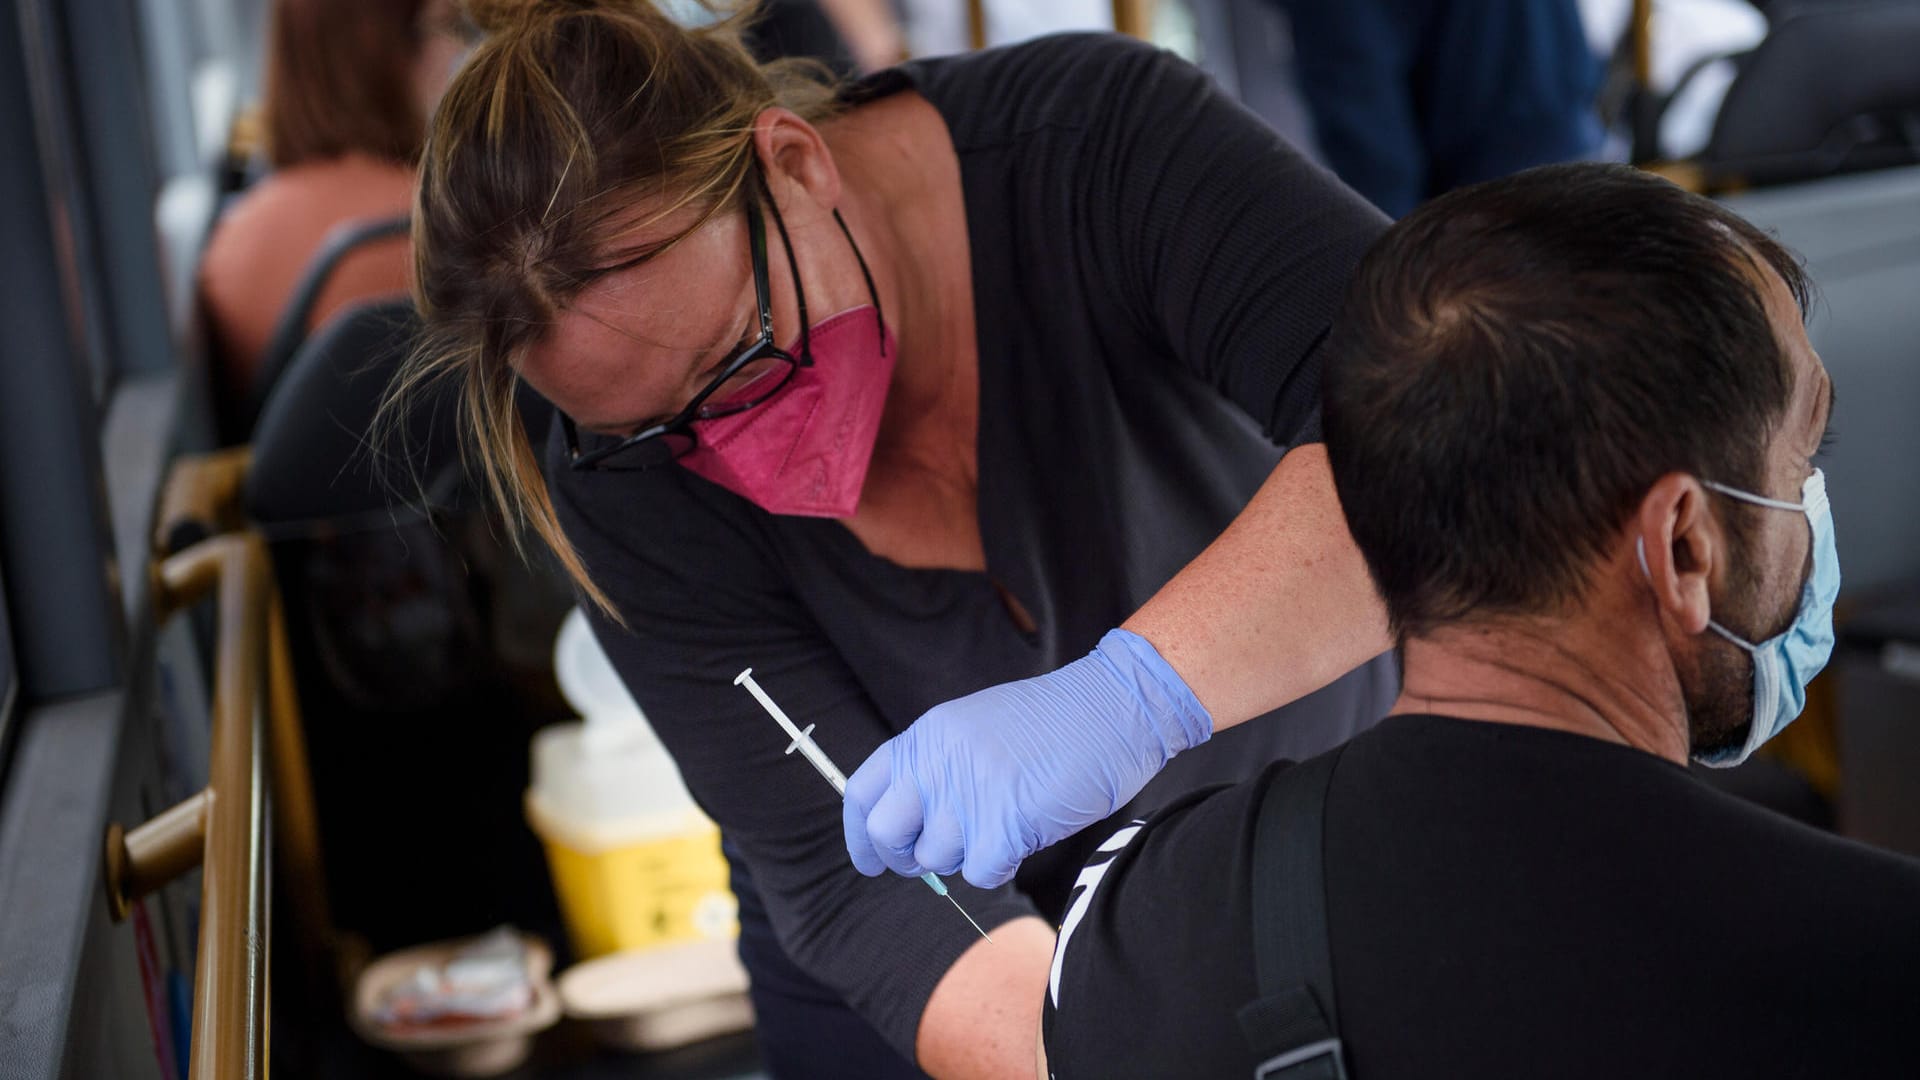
[568, 113]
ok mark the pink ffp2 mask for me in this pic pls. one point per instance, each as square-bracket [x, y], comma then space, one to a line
[805, 452]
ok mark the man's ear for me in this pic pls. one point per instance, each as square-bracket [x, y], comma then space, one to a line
[1684, 546]
[796, 162]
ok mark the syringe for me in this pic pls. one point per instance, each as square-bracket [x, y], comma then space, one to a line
[803, 742]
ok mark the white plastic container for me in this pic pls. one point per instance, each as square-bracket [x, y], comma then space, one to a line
[659, 999]
[635, 863]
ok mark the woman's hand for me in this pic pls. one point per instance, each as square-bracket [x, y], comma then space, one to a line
[978, 784]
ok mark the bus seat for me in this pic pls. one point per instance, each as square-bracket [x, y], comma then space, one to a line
[313, 455]
[290, 330]
[420, 641]
[1833, 88]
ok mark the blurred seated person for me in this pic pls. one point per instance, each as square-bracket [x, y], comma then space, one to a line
[349, 87]
[1570, 416]
[1413, 98]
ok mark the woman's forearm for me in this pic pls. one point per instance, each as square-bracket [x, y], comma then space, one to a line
[1275, 608]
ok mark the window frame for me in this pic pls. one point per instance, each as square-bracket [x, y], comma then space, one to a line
[9, 670]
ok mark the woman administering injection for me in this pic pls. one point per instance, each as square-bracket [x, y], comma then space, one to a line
[897, 391]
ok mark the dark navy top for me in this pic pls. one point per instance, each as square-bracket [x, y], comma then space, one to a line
[1153, 272]
[1413, 98]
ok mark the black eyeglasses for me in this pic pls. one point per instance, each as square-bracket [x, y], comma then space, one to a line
[760, 371]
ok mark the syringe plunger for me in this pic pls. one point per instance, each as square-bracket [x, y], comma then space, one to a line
[802, 740]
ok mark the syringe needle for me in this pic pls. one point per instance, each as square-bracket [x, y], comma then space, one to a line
[940, 887]
[803, 742]
[969, 918]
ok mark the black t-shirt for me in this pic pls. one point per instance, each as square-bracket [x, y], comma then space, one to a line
[1506, 901]
[1153, 271]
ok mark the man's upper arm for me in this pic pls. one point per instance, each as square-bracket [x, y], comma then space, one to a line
[1155, 950]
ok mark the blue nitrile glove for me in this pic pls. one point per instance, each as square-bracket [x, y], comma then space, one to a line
[978, 784]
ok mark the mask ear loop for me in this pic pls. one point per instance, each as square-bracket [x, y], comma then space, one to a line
[1746, 497]
[799, 293]
[879, 316]
[1757, 500]
[1640, 549]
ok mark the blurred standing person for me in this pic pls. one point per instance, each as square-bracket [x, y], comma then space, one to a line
[1412, 98]
[349, 87]
[848, 36]
[941, 27]
[1248, 46]
[871, 29]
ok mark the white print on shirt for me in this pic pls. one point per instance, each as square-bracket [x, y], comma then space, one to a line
[1081, 898]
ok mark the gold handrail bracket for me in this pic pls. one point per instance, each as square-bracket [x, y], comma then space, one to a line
[201, 498]
[163, 849]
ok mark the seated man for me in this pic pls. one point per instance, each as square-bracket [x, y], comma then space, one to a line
[1570, 416]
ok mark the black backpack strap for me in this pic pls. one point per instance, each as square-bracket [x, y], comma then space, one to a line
[1293, 1026]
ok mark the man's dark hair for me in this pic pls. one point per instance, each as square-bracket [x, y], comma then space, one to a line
[1518, 362]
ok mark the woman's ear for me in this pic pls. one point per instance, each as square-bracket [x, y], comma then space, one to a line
[797, 164]
[1683, 547]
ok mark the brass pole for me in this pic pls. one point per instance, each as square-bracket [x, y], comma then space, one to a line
[1134, 18]
[977, 24]
[228, 819]
[1643, 116]
[230, 980]
[1642, 37]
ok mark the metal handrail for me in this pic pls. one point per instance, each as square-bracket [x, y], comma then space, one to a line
[222, 829]
[201, 498]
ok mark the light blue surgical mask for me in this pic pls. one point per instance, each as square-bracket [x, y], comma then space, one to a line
[1783, 665]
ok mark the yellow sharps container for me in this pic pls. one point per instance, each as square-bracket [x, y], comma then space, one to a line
[635, 863]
